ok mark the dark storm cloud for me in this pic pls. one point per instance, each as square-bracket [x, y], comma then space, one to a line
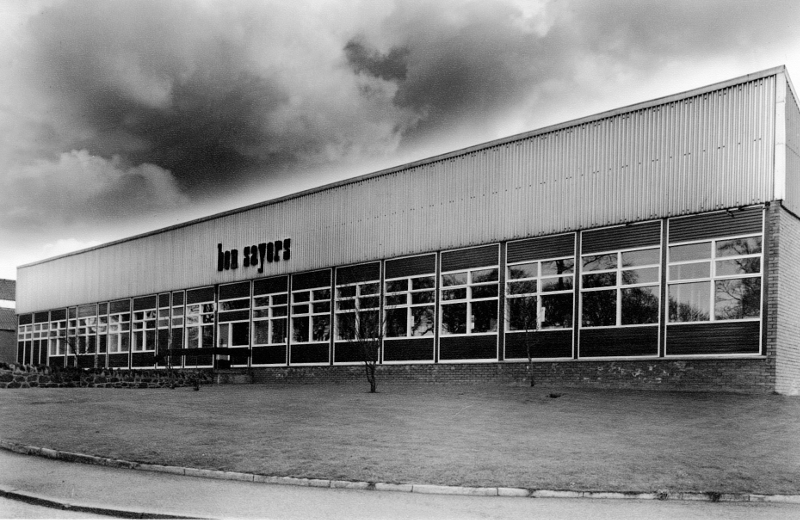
[389, 66]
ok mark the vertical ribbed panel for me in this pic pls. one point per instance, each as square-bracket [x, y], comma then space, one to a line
[792, 201]
[707, 150]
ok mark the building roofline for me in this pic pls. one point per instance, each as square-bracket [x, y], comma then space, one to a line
[445, 156]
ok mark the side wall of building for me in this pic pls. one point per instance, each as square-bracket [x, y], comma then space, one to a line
[784, 287]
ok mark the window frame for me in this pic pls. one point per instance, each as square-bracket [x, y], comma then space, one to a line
[538, 293]
[619, 286]
[469, 300]
[712, 278]
[409, 306]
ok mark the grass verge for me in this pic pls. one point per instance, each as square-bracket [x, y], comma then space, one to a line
[614, 440]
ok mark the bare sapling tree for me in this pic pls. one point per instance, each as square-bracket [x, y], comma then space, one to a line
[364, 330]
[75, 345]
[524, 316]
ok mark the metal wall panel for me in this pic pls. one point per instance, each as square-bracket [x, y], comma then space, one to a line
[792, 201]
[623, 237]
[707, 149]
[715, 225]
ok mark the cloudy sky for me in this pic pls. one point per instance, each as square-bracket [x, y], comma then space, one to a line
[119, 117]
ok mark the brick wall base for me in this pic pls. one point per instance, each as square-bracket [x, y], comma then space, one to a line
[715, 375]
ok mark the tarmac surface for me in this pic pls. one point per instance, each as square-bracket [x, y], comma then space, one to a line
[90, 490]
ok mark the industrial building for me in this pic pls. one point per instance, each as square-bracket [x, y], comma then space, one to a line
[652, 246]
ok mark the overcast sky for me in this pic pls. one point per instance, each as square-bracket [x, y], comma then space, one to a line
[119, 117]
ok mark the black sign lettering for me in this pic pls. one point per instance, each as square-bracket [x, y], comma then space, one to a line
[252, 256]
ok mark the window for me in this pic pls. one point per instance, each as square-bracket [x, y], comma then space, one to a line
[58, 331]
[469, 301]
[715, 280]
[358, 310]
[118, 335]
[144, 330]
[270, 313]
[621, 288]
[234, 315]
[539, 294]
[410, 306]
[311, 315]
[200, 325]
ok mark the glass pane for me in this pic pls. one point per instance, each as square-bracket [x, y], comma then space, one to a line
[397, 299]
[241, 334]
[634, 276]
[396, 323]
[370, 302]
[261, 330]
[522, 287]
[422, 297]
[260, 301]
[599, 308]
[454, 318]
[322, 307]
[300, 330]
[279, 331]
[484, 316]
[562, 283]
[642, 257]
[484, 275]
[369, 288]
[599, 280]
[565, 266]
[690, 271]
[557, 311]
[234, 305]
[300, 309]
[690, 302]
[124, 343]
[321, 330]
[346, 326]
[346, 305]
[424, 282]
[207, 336]
[322, 294]
[699, 251]
[223, 336]
[640, 305]
[739, 246]
[738, 266]
[454, 294]
[396, 286]
[599, 262]
[280, 299]
[301, 296]
[522, 313]
[208, 307]
[518, 271]
[485, 291]
[346, 292]
[422, 321]
[737, 299]
[369, 324]
[454, 279]
[260, 313]
[279, 311]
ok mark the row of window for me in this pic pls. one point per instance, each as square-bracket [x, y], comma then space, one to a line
[712, 280]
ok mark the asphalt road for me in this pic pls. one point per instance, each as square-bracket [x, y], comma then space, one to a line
[159, 493]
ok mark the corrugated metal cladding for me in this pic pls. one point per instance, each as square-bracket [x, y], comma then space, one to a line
[712, 148]
[792, 200]
[472, 257]
[716, 225]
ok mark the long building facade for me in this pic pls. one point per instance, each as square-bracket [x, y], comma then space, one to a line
[656, 245]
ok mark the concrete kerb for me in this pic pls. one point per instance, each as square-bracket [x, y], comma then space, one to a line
[379, 486]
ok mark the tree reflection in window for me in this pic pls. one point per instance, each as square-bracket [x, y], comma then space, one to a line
[725, 273]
